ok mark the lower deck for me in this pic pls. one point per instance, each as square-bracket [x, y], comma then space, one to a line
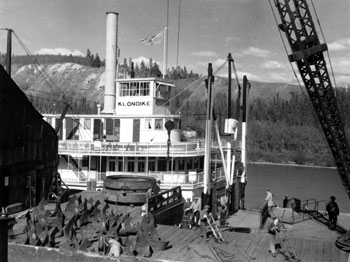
[312, 242]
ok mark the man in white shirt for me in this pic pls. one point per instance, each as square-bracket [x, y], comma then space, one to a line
[270, 203]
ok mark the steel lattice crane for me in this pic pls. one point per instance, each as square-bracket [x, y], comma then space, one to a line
[307, 53]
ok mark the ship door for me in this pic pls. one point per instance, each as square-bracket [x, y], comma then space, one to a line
[136, 131]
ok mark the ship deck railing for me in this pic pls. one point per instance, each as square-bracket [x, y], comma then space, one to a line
[169, 179]
[132, 149]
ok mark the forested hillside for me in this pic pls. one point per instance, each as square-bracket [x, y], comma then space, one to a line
[282, 125]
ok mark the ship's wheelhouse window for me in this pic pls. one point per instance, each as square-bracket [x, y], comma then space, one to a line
[148, 123]
[87, 124]
[162, 91]
[159, 124]
[134, 89]
[124, 89]
[144, 89]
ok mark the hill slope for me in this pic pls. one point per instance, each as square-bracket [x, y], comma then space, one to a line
[75, 80]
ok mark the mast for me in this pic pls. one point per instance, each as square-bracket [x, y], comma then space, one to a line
[165, 50]
[208, 133]
[229, 58]
[246, 86]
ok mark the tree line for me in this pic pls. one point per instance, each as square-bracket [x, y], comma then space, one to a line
[279, 130]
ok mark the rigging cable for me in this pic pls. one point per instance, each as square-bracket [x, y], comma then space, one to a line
[36, 64]
[39, 67]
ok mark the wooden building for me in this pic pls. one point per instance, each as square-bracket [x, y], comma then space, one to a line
[28, 149]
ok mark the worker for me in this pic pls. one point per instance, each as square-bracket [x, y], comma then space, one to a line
[223, 210]
[195, 209]
[270, 204]
[156, 188]
[333, 212]
[204, 216]
[273, 227]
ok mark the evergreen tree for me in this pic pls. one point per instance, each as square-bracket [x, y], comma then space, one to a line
[96, 62]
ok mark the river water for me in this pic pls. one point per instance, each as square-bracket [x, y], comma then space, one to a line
[302, 182]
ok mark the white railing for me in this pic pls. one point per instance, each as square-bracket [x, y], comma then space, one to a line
[168, 179]
[114, 148]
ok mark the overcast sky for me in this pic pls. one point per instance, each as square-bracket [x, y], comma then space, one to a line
[209, 30]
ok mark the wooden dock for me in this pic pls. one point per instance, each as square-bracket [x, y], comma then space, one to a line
[311, 241]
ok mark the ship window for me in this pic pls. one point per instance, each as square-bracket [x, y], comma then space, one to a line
[93, 163]
[189, 164]
[195, 163]
[135, 89]
[85, 162]
[131, 164]
[87, 124]
[141, 164]
[181, 164]
[98, 128]
[120, 164]
[72, 126]
[113, 129]
[148, 123]
[111, 166]
[124, 89]
[162, 91]
[162, 164]
[60, 132]
[144, 89]
[159, 124]
[151, 165]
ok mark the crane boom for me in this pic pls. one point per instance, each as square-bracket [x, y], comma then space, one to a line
[307, 52]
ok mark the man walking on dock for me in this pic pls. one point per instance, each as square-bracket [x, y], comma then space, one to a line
[270, 203]
[333, 212]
